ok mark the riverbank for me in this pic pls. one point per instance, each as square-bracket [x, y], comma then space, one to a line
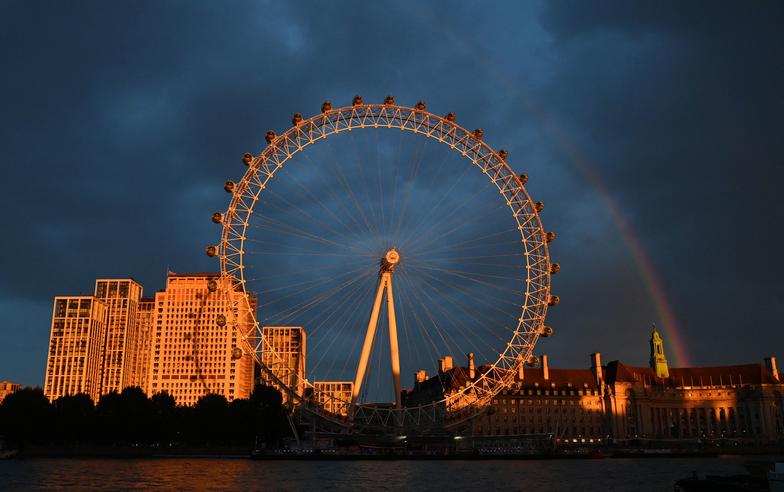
[99, 451]
[239, 452]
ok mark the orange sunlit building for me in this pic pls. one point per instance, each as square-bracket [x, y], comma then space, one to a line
[625, 403]
[76, 342]
[195, 350]
[119, 367]
[145, 321]
[284, 352]
[334, 396]
[6, 388]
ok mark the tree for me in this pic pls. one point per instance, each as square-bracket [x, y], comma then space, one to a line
[242, 421]
[75, 418]
[166, 424]
[108, 421]
[270, 423]
[211, 419]
[26, 416]
[137, 415]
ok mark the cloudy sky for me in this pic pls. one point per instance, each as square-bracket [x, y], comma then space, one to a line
[653, 133]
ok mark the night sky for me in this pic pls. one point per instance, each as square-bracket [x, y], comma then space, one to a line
[653, 134]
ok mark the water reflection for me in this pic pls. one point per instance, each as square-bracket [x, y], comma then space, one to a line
[239, 474]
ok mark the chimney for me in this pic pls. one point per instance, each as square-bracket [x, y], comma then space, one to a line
[445, 364]
[471, 368]
[770, 364]
[521, 371]
[596, 368]
[545, 368]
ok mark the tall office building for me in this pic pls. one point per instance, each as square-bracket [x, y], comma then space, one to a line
[195, 350]
[75, 346]
[145, 320]
[119, 366]
[283, 353]
[334, 396]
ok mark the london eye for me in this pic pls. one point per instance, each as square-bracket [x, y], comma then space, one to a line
[408, 250]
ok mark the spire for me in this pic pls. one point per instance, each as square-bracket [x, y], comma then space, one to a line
[658, 360]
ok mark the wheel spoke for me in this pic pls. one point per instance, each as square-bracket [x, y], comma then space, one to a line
[308, 243]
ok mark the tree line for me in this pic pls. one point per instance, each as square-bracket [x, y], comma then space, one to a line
[131, 418]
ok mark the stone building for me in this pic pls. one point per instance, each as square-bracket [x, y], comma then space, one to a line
[623, 403]
[565, 403]
[739, 401]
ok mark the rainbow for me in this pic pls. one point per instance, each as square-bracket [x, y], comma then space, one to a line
[667, 322]
[641, 258]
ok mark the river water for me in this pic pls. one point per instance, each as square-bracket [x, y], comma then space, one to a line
[654, 474]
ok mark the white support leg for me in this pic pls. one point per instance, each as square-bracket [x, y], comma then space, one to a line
[394, 354]
[369, 335]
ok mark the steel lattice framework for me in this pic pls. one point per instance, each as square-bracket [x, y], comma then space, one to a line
[458, 406]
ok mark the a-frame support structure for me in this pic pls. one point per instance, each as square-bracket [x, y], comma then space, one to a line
[388, 262]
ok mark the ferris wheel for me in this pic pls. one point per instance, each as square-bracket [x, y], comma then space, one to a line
[315, 238]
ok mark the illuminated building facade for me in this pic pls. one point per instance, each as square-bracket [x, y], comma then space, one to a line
[740, 401]
[286, 360]
[119, 367]
[145, 319]
[334, 396]
[75, 346]
[195, 351]
[6, 388]
[566, 403]
[656, 403]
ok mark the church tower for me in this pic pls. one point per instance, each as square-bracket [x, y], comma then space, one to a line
[658, 360]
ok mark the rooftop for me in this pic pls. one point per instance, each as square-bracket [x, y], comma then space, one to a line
[616, 371]
[193, 274]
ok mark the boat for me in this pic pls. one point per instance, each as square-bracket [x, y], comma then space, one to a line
[776, 478]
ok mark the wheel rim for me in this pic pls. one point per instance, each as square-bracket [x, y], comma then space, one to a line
[459, 406]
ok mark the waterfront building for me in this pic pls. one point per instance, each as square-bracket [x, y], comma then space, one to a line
[145, 319]
[6, 388]
[283, 354]
[624, 403]
[195, 348]
[334, 396]
[75, 345]
[119, 366]
[566, 403]
[739, 401]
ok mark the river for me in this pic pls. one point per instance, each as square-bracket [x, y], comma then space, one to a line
[647, 474]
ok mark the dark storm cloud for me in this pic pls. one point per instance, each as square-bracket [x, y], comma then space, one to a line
[121, 121]
[679, 111]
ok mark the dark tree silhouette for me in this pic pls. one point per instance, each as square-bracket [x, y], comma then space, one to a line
[108, 423]
[136, 415]
[166, 426]
[26, 416]
[211, 419]
[75, 419]
[130, 418]
[242, 421]
[270, 423]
